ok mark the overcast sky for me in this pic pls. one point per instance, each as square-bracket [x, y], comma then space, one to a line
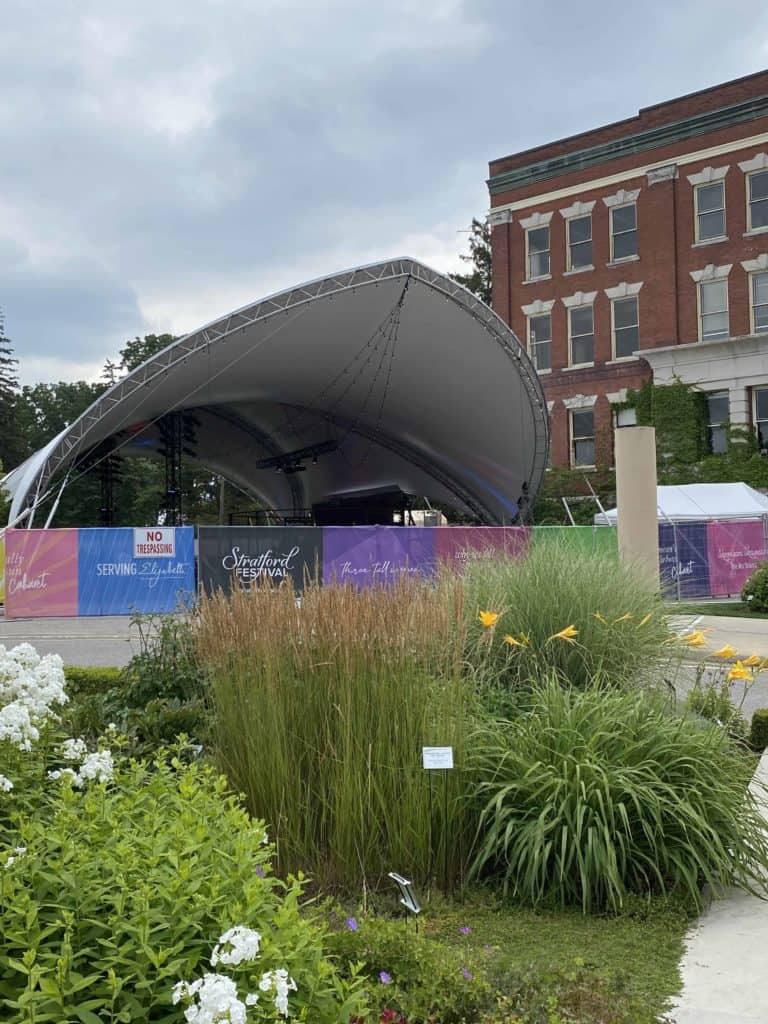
[164, 161]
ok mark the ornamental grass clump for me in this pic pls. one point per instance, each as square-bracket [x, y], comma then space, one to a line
[321, 709]
[595, 794]
[575, 613]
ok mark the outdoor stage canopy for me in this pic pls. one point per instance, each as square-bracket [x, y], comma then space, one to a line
[389, 376]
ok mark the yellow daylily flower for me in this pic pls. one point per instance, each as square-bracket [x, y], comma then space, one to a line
[527, 640]
[566, 634]
[488, 619]
[600, 618]
[727, 651]
[694, 639]
[623, 618]
[739, 672]
[752, 660]
[645, 620]
[509, 639]
[762, 664]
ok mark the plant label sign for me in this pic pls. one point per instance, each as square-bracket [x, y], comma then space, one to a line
[154, 542]
[437, 757]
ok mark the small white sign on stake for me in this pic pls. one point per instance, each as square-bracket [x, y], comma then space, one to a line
[437, 757]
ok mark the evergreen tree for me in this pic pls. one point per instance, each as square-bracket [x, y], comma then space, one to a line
[13, 446]
[478, 280]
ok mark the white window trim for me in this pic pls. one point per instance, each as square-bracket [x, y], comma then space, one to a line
[624, 290]
[617, 206]
[622, 198]
[528, 318]
[577, 209]
[572, 438]
[713, 238]
[711, 272]
[539, 277]
[497, 217]
[759, 162]
[627, 295]
[751, 293]
[709, 175]
[617, 397]
[760, 168]
[536, 220]
[617, 413]
[759, 263]
[708, 280]
[583, 305]
[538, 308]
[579, 402]
[579, 299]
[569, 269]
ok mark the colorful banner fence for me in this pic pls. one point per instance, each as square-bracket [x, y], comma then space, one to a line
[98, 571]
[152, 569]
[2, 570]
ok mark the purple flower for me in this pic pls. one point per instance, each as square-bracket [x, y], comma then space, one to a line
[259, 870]
[351, 924]
[385, 978]
[465, 929]
[467, 974]
[488, 950]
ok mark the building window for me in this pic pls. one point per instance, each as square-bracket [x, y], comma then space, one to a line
[582, 437]
[623, 232]
[626, 331]
[626, 417]
[580, 242]
[757, 193]
[540, 341]
[713, 309]
[717, 417]
[710, 211]
[760, 416]
[537, 252]
[759, 293]
[581, 331]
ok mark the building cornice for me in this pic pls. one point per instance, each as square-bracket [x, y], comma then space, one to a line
[636, 142]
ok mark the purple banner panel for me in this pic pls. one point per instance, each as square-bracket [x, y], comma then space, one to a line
[368, 556]
[736, 549]
[456, 544]
[684, 559]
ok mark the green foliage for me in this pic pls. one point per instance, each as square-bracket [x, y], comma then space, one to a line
[409, 976]
[679, 414]
[12, 441]
[320, 716]
[123, 890]
[479, 279]
[713, 700]
[556, 585]
[572, 485]
[139, 350]
[758, 733]
[755, 590]
[596, 794]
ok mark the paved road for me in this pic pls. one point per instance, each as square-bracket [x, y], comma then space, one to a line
[91, 640]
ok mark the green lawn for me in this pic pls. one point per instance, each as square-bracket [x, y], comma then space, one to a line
[735, 608]
[637, 953]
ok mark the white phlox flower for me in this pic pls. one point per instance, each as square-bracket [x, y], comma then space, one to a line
[73, 750]
[279, 983]
[242, 943]
[18, 851]
[217, 1000]
[30, 688]
[98, 766]
[16, 725]
[5, 784]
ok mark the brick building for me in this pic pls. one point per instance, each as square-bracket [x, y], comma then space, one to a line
[639, 251]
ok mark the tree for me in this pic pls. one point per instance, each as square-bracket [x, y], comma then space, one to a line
[13, 446]
[478, 280]
[136, 352]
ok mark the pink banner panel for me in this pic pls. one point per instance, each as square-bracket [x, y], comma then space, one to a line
[40, 573]
[455, 544]
[735, 551]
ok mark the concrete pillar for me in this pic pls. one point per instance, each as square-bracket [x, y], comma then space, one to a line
[636, 499]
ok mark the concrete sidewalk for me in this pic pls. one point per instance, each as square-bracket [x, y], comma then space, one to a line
[93, 640]
[724, 963]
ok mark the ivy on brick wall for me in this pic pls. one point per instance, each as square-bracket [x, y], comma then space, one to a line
[571, 484]
[679, 414]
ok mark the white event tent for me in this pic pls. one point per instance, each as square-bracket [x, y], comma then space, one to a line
[686, 503]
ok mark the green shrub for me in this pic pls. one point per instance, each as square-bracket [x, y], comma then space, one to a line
[758, 733]
[90, 679]
[596, 794]
[713, 702]
[166, 666]
[755, 590]
[617, 616]
[122, 890]
[320, 716]
[409, 976]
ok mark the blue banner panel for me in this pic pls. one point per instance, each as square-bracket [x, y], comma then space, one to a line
[684, 559]
[122, 571]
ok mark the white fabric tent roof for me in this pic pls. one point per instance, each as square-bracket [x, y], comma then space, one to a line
[701, 502]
